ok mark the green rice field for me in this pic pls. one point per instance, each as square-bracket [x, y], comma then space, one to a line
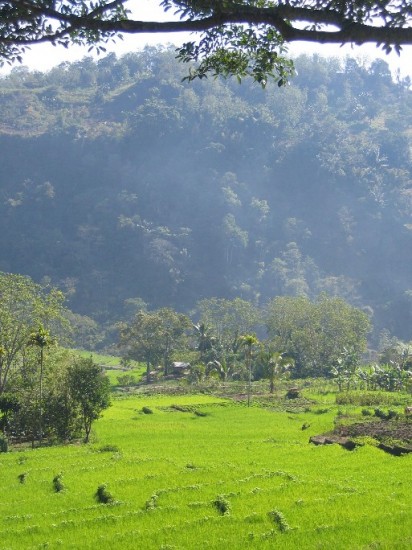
[206, 473]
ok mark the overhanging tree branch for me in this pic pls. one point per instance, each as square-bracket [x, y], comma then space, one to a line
[234, 36]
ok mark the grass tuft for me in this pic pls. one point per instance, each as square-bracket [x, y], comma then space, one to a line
[103, 496]
[279, 519]
[222, 505]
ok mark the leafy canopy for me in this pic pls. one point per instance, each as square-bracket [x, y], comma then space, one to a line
[24, 305]
[235, 37]
[153, 336]
[90, 390]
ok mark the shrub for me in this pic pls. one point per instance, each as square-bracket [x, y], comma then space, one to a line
[147, 410]
[22, 477]
[103, 495]
[222, 505]
[385, 416]
[293, 393]
[58, 484]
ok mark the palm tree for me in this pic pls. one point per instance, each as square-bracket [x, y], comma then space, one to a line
[205, 342]
[278, 363]
[248, 341]
[41, 338]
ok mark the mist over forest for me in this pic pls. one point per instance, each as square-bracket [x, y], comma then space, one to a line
[121, 184]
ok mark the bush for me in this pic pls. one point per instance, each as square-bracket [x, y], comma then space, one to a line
[385, 416]
[103, 495]
[58, 484]
[147, 410]
[22, 477]
[222, 505]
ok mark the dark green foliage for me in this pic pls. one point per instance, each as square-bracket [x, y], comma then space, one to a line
[222, 505]
[22, 477]
[147, 410]
[293, 393]
[389, 415]
[316, 334]
[74, 392]
[9, 404]
[58, 484]
[90, 390]
[4, 444]
[103, 495]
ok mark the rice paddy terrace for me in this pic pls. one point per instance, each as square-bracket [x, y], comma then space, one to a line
[198, 471]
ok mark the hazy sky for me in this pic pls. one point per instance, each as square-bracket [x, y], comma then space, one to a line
[43, 57]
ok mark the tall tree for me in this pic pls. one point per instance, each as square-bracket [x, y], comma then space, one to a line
[153, 336]
[276, 364]
[41, 339]
[90, 390]
[242, 37]
[315, 334]
[206, 342]
[228, 319]
[23, 305]
[248, 341]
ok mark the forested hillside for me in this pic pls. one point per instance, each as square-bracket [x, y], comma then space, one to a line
[121, 183]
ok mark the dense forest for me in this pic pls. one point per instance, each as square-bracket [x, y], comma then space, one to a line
[123, 185]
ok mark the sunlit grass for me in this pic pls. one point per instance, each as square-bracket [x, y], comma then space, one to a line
[113, 368]
[165, 470]
[101, 359]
